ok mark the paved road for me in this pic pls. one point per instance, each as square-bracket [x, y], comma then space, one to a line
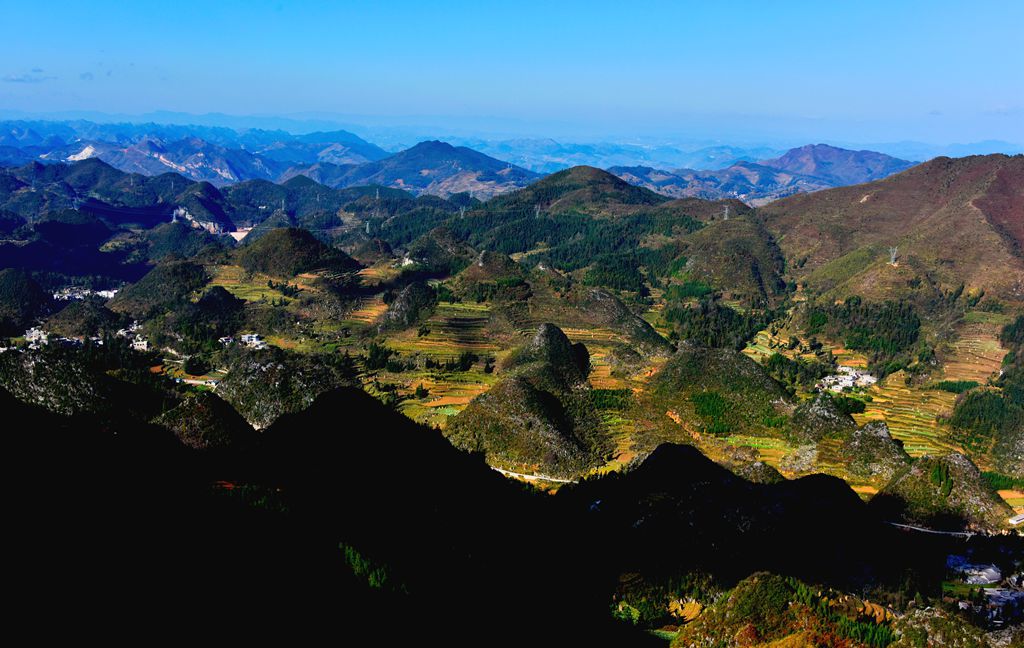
[193, 381]
[509, 473]
[958, 534]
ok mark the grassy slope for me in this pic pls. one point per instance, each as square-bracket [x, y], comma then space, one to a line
[948, 218]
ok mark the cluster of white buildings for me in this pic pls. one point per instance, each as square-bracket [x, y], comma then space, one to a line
[846, 378]
[251, 340]
[1004, 598]
[37, 337]
[72, 293]
[254, 341]
[972, 573]
[138, 342]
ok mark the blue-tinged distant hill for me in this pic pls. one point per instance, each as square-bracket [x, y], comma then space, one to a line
[800, 170]
[214, 154]
[222, 156]
[432, 167]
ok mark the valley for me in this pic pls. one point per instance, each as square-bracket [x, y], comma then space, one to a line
[533, 324]
[578, 338]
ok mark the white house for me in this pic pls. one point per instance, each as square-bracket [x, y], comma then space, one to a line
[846, 377]
[253, 340]
[36, 337]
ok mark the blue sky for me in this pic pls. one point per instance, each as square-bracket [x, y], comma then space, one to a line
[862, 71]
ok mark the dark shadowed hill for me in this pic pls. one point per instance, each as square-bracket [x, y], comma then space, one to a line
[678, 496]
[943, 492]
[203, 421]
[299, 524]
[21, 301]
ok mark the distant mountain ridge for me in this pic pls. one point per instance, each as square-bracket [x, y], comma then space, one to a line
[222, 156]
[837, 165]
[217, 155]
[432, 167]
[808, 168]
[548, 155]
[339, 159]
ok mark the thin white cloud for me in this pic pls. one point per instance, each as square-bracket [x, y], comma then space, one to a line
[36, 75]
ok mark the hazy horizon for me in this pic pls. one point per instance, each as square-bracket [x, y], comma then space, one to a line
[939, 73]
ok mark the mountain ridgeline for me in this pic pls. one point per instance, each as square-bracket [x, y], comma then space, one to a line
[556, 410]
[338, 159]
[805, 169]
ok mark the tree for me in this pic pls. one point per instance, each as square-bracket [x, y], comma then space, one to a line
[195, 365]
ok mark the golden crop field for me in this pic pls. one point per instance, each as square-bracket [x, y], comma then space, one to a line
[912, 414]
[241, 284]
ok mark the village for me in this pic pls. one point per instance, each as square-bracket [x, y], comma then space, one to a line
[78, 293]
[37, 337]
[846, 379]
[982, 590]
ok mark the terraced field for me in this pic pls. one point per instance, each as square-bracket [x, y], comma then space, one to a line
[769, 450]
[454, 328]
[1014, 499]
[368, 311]
[621, 424]
[977, 354]
[591, 336]
[601, 371]
[654, 315]
[449, 393]
[379, 273]
[912, 415]
[762, 346]
[621, 428]
[865, 492]
[239, 283]
[830, 459]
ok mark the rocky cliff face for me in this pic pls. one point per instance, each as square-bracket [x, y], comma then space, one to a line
[414, 302]
[263, 385]
[538, 419]
[943, 492]
[873, 454]
[205, 422]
